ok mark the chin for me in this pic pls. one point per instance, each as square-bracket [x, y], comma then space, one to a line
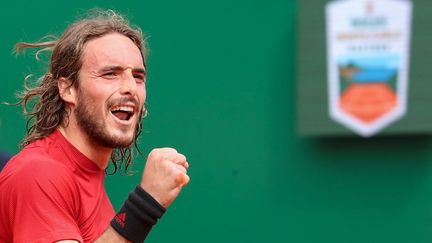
[124, 141]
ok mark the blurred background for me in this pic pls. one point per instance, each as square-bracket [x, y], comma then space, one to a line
[222, 90]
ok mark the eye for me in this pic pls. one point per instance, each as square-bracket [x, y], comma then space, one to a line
[140, 78]
[110, 74]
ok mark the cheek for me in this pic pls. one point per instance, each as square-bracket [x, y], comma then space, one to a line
[142, 95]
[95, 100]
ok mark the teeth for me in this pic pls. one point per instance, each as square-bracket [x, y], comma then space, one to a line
[122, 108]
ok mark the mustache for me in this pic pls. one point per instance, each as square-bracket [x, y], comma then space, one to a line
[124, 100]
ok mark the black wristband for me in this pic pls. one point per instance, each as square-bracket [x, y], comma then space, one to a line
[137, 216]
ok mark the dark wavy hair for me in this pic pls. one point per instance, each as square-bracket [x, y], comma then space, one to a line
[42, 103]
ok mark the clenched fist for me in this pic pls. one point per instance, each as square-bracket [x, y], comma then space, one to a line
[165, 174]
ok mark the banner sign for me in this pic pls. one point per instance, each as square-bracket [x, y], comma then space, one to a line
[367, 62]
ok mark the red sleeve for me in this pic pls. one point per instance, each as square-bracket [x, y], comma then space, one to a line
[43, 205]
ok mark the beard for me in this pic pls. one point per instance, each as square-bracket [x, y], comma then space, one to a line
[96, 130]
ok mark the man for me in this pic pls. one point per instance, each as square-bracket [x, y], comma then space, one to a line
[88, 111]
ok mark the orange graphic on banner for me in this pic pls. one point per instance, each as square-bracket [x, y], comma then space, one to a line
[368, 101]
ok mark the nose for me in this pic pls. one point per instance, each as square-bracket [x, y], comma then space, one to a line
[128, 83]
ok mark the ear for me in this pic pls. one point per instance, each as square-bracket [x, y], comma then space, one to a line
[67, 91]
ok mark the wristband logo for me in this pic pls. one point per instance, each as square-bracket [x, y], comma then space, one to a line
[121, 219]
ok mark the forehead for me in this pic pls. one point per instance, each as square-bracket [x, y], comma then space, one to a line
[111, 49]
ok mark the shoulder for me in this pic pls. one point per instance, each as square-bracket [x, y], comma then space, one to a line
[35, 182]
[34, 170]
[36, 161]
[38, 198]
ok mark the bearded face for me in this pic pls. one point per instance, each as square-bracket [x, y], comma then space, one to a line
[111, 94]
[96, 128]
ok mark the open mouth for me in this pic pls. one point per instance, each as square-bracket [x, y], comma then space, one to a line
[123, 112]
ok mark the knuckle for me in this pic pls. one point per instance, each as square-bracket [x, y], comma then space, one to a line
[187, 179]
[169, 150]
[153, 154]
[154, 151]
[178, 179]
[182, 169]
[179, 174]
[182, 157]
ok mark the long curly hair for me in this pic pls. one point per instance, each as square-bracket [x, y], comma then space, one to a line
[42, 104]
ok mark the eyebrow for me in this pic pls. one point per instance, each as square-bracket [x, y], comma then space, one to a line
[120, 68]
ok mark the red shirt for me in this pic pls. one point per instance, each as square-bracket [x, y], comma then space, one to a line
[50, 191]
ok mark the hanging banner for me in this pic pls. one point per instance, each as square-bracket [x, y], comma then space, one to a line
[367, 62]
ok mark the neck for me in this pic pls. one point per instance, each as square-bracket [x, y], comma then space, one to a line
[100, 155]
